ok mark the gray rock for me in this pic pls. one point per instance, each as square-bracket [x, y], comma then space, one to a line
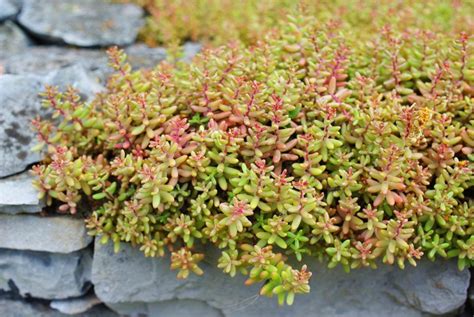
[471, 294]
[76, 76]
[84, 23]
[169, 308]
[17, 195]
[45, 275]
[41, 60]
[149, 287]
[20, 308]
[190, 49]
[74, 306]
[438, 288]
[12, 39]
[19, 103]
[142, 56]
[7, 9]
[60, 234]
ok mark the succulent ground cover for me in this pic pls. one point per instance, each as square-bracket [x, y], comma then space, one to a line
[218, 21]
[311, 142]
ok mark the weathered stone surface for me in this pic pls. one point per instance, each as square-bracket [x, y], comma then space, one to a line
[74, 306]
[58, 234]
[20, 308]
[190, 49]
[84, 23]
[17, 195]
[19, 103]
[471, 293]
[12, 39]
[150, 286]
[142, 56]
[437, 289]
[76, 76]
[7, 9]
[171, 308]
[45, 275]
[41, 60]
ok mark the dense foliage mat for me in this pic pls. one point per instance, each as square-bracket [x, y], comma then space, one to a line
[247, 21]
[311, 142]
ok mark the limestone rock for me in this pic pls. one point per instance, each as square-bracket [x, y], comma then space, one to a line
[471, 294]
[76, 76]
[17, 195]
[142, 56]
[60, 234]
[150, 287]
[12, 39]
[84, 23]
[171, 308]
[21, 308]
[20, 103]
[74, 306]
[45, 275]
[190, 49]
[41, 60]
[7, 9]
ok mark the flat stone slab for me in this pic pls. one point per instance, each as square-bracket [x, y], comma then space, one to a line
[149, 287]
[8, 9]
[12, 39]
[21, 308]
[41, 60]
[45, 275]
[17, 195]
[76, 76]
[74, 306]
[19, 103]
[85, 23]
[60, 234]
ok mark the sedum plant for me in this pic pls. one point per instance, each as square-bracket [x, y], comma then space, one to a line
[218, 21]
[309, 143]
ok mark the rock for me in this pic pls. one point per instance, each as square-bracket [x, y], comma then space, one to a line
[73, 306]
[12, 39]
[60, 234]
[84, 23]
[78, 77]
[20, 103]
[438, 289]
[17, 195]
[171, 308]
[471, 293]
[45, 275]
[7, 9]
[142, 56]
[22, 308]
[41, 60]
[149, 287]
[190, 49]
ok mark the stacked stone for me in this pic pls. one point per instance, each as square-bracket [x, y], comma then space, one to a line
[49, 266]
[46, 261]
